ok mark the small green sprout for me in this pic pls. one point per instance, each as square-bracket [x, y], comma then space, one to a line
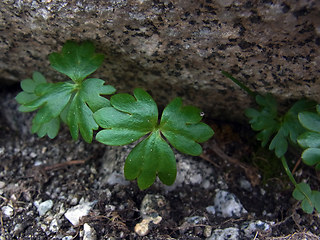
[131, 118]
[281, 129]
[289, 128]
[73, 102]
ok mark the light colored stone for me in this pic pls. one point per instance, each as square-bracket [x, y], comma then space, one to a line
[251, 228]
[174, 47]
[228, 205]
[43, 207]
[67, 238]
[230, 233]
[7, 211]
[88, 232]
[143, 228]
[75, 213]
[54, 226]
[211, 210]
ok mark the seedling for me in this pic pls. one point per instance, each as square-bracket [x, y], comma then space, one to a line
[74, 101]
[131, 118]
[290, 128]
[125, 119]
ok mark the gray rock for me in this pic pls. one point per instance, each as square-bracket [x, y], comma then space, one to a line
[67, 238]
[251, 228]
[245, 184]
[88, 232]
[230, 233]
[7, 211]
[43, 207]
[211, 210]
[54, 225]
[191, 222]
[174, 47]
[228, 205]
[75, 213]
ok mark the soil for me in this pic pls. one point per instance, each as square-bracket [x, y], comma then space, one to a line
[69, 172]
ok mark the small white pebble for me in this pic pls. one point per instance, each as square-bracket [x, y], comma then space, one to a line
[75, 213]
[33, 155]
[2, 184]
[89, 232]
[211, 210]
[43, 207]
[54, 226]
[7, 211]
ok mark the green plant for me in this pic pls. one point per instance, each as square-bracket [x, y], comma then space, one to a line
[130, 118]
[125, 119]
[290, 128]
[74, 101]
[310, 140]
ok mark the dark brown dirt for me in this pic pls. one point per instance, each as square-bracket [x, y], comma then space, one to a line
[61, 169]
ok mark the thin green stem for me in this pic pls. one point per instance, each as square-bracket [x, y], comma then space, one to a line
[240, 84]
[287, 169]
[288, 172]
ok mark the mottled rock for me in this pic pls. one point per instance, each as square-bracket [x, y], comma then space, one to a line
[174, 47]
[7, 211]
[192, 222]
[75, 213]
[228, 205]
[230, 233]
[251, 228]
[88, 232]
[154, 204]
[43, 207]
[54, 225]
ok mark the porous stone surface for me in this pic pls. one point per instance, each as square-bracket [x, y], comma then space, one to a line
[174, 48]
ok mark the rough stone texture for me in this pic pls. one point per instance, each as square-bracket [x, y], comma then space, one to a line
[174, 48]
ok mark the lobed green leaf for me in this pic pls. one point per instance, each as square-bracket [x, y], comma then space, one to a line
[129, 119]
[29, 87]
[183, 129]
[132, 117]
[279, 143]
[311, 156]
[310, 200]
[291, 121]
[310, 121]
[85, 102]
[309, 139]
[53, 99]
[151, 157]
[50, 128]
[270, 126]
[77, 61]
[316, 200]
